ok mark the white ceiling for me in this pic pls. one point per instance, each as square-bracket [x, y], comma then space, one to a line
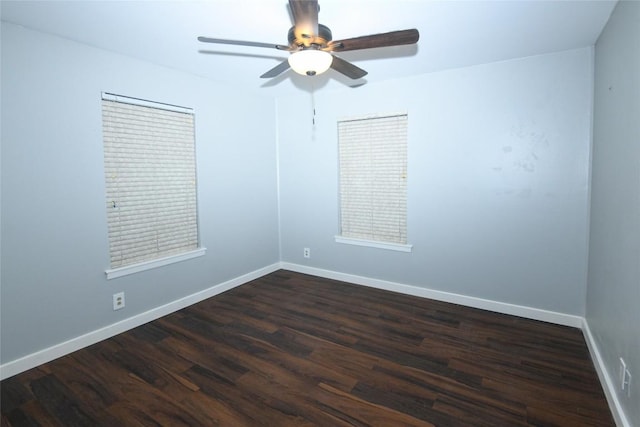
[452, 33]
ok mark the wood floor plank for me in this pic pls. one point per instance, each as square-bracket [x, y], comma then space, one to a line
[290, 349]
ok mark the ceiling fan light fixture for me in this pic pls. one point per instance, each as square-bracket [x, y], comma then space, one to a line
[312, 46]
[310, 62]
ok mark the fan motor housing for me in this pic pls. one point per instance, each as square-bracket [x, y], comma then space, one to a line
[324, 36]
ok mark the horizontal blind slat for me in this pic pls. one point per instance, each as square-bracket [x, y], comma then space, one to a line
[372, 173]
[151, 182]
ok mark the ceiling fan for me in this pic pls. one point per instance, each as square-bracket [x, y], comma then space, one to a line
[312, 48]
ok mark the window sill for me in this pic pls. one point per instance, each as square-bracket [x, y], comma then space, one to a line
[148, 265]
[374, 244]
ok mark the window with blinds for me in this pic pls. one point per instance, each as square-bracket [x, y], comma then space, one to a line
[150, 168]
[373, 181]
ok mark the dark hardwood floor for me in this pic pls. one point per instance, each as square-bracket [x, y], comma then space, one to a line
[295, 350]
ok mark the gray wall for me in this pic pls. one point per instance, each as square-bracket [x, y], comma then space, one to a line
[613, 293]
[54, 231]
[497, 180]
[498, 186]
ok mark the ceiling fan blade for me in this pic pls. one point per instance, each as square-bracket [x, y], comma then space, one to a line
[243, 43]
[393, 38]
[277, 70]
[347, 68]
[305, 17]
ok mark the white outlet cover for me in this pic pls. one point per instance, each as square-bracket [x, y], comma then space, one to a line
[626, 382]
[118, 301]
[622, 373]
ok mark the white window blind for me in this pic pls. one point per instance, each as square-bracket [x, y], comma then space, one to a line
[150, 168]
[373, 178]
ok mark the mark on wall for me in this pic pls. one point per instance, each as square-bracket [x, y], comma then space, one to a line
[522, 149]
[526, 144]
[530, 142]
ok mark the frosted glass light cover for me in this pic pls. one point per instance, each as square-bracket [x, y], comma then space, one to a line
[310, 62]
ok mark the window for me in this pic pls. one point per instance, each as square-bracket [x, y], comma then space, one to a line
[150, 172]
[373, 181]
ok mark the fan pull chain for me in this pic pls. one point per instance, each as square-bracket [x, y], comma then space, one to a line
[313, 105]
[313, 113]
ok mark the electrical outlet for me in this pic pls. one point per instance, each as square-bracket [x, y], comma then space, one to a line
[307, 253]
[627, 382]
[118, 301]
[622, 372]
[625, 378]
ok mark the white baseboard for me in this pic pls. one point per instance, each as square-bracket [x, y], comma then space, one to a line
[608, 385]
[48, 354]
[495, 306]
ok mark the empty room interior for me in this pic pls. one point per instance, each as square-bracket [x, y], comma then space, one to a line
[437, 226]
